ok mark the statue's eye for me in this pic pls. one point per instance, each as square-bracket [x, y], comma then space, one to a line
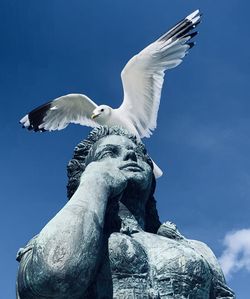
[109, 152]
[102, 110]
[140, 155]
[106, 154]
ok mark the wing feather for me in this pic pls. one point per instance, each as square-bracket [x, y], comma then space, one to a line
[57, 114]
[143, 75]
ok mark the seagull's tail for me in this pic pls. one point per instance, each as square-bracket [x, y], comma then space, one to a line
[157, 171]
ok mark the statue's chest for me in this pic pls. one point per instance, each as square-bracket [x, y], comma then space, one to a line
[155, 266]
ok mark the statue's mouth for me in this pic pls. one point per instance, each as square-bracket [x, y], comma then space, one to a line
[132, 166]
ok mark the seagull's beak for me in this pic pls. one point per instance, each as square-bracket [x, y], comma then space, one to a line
[94, 115]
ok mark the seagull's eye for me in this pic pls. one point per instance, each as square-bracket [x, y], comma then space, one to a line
[102, 110]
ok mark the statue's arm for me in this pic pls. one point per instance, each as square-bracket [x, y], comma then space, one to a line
[65, 255]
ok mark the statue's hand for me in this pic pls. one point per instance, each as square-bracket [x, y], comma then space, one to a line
[107, 173]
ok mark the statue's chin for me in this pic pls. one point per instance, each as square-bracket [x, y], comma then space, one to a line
[138, 181]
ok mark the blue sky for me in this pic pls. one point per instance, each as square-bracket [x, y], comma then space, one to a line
[54, 47]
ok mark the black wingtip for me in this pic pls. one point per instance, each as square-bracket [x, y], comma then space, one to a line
[183, 27]
[36, 117]
[192, 35]
[191, 45]
[197, 23]
[32, 128]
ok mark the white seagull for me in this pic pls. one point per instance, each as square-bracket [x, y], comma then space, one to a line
[142, 80]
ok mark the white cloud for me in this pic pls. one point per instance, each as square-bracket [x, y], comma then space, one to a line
[236, 255]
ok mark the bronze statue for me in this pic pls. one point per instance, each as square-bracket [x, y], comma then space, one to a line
[108, 242]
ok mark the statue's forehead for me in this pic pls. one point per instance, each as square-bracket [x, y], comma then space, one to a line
[115, 140]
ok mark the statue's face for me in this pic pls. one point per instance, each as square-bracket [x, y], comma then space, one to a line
[122, 153]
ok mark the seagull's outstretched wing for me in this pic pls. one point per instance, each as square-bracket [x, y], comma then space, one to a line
[143, 75]
[57, 114]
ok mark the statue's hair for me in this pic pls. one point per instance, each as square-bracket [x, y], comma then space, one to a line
[77, 165]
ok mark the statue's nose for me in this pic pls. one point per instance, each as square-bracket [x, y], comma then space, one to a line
[130, 155]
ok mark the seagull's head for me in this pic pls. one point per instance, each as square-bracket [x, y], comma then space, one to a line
[101, 112]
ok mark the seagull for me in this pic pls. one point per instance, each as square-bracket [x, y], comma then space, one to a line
[142, 80]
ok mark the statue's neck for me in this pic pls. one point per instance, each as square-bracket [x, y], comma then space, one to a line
[127, 214]
[130, 223]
